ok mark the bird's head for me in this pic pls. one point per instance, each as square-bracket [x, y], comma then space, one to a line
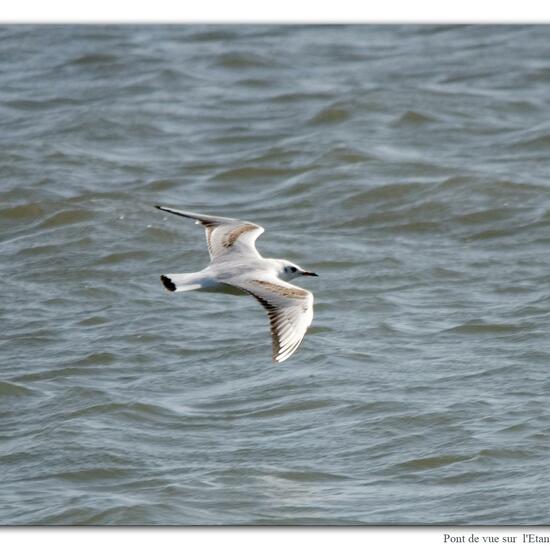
[288, 271]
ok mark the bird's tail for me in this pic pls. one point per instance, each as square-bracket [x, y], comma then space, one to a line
[180, 282]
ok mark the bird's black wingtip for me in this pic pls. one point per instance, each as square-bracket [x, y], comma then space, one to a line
[167, 282]
[157, 206]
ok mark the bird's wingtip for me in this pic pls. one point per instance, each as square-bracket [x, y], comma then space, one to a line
[168, 283]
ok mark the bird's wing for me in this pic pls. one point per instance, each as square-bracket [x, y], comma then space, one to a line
[289, 308]
[224, 235]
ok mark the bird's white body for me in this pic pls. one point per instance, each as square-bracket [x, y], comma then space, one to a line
[236, 267]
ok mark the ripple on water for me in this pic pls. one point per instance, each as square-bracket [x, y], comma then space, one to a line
[10, 389]
[480, 327]
[414, 119]
[67, 217]
[22, 211]
[334, 114]
[94, 59]
[255, 173]
[430, 462]
[244, 60]
[123, 257]
[51, 103]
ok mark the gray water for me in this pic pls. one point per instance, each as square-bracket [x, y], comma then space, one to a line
[407, 165]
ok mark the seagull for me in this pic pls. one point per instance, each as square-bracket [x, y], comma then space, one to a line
[236, 267]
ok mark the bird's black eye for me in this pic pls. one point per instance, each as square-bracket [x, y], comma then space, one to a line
[293, 269]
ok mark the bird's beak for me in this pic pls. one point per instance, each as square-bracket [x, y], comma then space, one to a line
[310, 273]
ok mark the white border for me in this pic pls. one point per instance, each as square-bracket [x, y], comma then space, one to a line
[281, 11]
[266, 538]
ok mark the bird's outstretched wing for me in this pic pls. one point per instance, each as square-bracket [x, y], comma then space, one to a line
[289, 308]
[224, 235]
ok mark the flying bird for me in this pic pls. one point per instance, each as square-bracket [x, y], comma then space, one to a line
[236, 267]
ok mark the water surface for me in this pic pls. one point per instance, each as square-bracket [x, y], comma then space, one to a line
[407, 165]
